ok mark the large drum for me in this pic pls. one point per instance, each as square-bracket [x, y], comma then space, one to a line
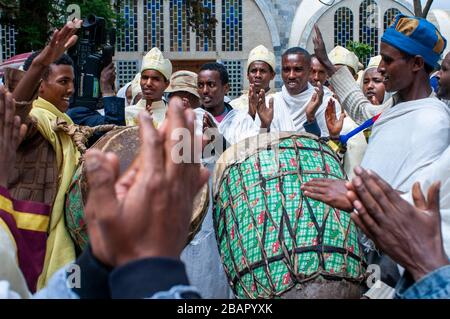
[273, 241]
[124, 142]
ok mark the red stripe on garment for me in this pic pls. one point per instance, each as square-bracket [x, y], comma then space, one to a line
[31, 247]
[27, 206]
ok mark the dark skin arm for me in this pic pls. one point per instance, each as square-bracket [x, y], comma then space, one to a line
[409, 234]
[321, 52]
[314, 104]
[107, 80]
[11, 134]
[334, 125]
[265, 113]
[330, 191]
[61, 41]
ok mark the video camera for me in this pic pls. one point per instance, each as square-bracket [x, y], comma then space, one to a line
[92, 53]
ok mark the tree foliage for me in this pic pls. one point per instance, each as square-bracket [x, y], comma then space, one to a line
[361, 50]
[34, 20]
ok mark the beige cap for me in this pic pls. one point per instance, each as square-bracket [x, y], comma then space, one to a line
[185, 81]
[135, 86]
[154, 60]
[340, 55]
[261, 53]
[374, 62]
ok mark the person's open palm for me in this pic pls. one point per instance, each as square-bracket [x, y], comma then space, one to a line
[147, 211]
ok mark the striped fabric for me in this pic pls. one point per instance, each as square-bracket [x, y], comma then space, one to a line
[27, 223]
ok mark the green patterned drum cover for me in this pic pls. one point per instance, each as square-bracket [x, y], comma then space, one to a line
[74, 211]
[124, 142]
[273, 239]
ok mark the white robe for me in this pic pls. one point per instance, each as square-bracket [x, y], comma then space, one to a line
[438, 171]
[407, 138]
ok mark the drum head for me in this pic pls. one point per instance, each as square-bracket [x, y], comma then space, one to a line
[124, 142]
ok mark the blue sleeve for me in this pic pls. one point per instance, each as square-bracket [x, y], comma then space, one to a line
[114, 113]
[151, 277]
[114, 110]
[93, 283]
[435, 285]
[81, 115]
[312, 128]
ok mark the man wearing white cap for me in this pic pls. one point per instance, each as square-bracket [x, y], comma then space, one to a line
[340, 57]
[260, 71]
[155, 75]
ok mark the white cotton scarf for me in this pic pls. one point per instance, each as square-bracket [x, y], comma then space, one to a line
[290, 110]
[407, 138]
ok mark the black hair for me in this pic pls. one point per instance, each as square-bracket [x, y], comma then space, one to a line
[62, 60]
[428, 68]
[220, 68]
[300, 51]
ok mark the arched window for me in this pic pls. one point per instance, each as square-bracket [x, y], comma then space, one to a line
[343, 26]
[179, 26]
[127, 35]
[368, 26]
[232, 25]
[203, 42]
[389, 17]
[153, 24]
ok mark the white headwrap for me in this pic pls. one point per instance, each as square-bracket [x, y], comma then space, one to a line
[340, 55]
[154, 60]
[261, 53]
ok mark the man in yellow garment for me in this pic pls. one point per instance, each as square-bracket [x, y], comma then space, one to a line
[46, 159]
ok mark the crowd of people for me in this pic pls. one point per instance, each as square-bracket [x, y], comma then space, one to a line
[387, 124]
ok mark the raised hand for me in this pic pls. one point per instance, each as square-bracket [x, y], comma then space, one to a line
[265, 113]
[334, 125]
[253, 100]
[146, 213]
[314, 104]
[61, 41]
[11, 134]
[321, 52]
[107, 80]
[410, 235]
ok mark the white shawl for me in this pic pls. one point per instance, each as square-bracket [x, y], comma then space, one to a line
[438, 171]
[290, 110]
[407, 138]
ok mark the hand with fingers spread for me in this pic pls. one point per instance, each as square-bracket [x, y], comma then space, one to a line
[334, 125]
[330, 191]
[409, 234]
[146, 212]
[265, 113]
[11, 134]
[61, 41]
[321, 52]
[314, 104]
